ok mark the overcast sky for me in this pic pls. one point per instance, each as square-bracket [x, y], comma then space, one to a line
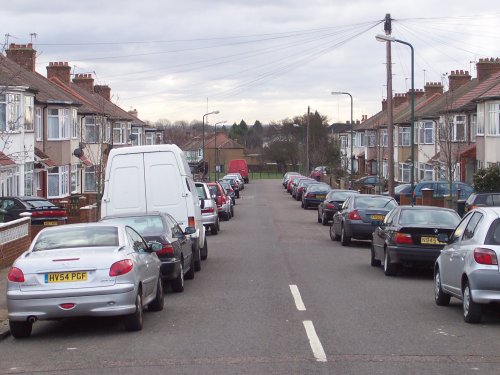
[253, 59]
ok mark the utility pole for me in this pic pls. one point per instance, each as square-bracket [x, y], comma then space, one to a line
[390, 120]
[307, 141]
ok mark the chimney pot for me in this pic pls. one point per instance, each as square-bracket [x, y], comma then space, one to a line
[23, 55]
[486, 67]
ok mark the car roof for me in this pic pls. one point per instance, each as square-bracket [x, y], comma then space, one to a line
[132, 214]
[435, 208]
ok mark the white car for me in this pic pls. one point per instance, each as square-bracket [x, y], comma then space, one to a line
[91, 269]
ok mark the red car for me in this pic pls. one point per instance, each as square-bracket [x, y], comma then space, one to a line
[290, 181]
[224, 206]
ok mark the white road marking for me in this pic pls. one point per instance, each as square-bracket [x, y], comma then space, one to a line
[298, 299]
[316, 346]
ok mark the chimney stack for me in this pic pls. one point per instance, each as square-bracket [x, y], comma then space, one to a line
[458, 78]
[134, 112]
[399, 99]
[104, 91]
[384, 105]
[364, 118]
[59, 70]
[419, 93]
[22, 54]
[432, 88]
[487, 67]
[85, 81]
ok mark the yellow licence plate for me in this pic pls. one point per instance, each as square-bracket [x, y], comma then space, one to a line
[65, 277]
[320, 196]
[430, 241]
[50, 222]
[378, 217]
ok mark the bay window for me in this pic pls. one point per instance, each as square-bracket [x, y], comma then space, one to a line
[29, 108]
[426, 133]
[404, 136]
[92, 130]
[90, 179]
[58, 123]
[343, 142]
[150, 138]
[473, 127]
[10, 111]
[38, 124]
[384, 139]
[74, 124]
[405, 172]
[138, 136]
[28, 179]
[74, 179]
[480, 118]
[57, 182]
[493, 119]
[426, 171]
[119, 133]
[361, 139]
[371, 138]
[457, 127]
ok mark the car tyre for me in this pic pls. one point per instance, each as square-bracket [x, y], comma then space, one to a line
[345, 240]
[305, 206]
[159, 301]
[324, 220]
[178, 282]
[204, 251]
[472, 311]
[374, 262]
[390, 269]
[197, 260]
[333, 235]
[213, 229]
[441, 298]
[134, 322]
[190, 274]
[232, 211]
[20, 330]
[319, 218]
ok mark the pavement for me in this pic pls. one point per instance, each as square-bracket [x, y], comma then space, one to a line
[4, 323]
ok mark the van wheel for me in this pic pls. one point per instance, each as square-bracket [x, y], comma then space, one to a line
[204, 251]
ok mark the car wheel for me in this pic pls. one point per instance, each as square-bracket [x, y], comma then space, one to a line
[319, 218]
[324, 220]
[374, 262]
[472, 310]
[333, 235]
[178, 282]
[302, 204]
[232, 211]
[441, 298]
[204, 251]
[190, 274]
[197, 260]
[133, 322]
[305, 205]
[345, 240]
[213, 229]
[159, 301]
[218, 224]
[20, 329]
[390, 269]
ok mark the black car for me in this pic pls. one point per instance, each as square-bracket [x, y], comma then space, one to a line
[43, 212]
[332, 203]
[400, 189]
[482, 199]
[176, 256]
[314, 195]
[409, 235]
[368, 182]
[302, 186]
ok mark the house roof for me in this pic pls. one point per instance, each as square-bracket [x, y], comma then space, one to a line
[223, 141]
[466, 101]
[42, 157]
[5, 160]
[339, 128]
[493, 92]
[12, 74]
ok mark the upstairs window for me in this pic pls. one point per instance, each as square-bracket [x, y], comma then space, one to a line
[480, 118]
[404, 136]
[457, 128]
[344, 142]
[119, 133]
[58, 123]
[384, 139]
[92, 130]
[361, 139]
[473, 127]
[493, 119]
[29, 112]
[426, 133]
[74, 124]
[38, 124]
[371, 138]
[10, 112]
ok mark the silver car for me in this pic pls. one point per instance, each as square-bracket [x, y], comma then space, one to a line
[92, 269]
[467, 268]
[209, 211]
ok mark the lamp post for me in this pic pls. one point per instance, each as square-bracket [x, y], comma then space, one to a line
[203, 136]
[215, 146]
[387, 38]
[351, 172]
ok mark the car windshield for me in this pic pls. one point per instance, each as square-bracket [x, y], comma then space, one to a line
[402, 188]
[65, 238]
[145, 225]
[317, 188]
[39, 203]
[375, 202]
[428, 217]
[340, 195]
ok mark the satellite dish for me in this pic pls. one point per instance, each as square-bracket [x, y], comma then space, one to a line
[78, 152]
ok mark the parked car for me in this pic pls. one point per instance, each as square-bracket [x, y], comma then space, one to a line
[290, 181]
[369, 182]
[209, 212]
[317, 172]
[398, 190]
[234, 184]
[360, 215]
[91, 269]
[287, 176]
[467, 268]
[228, 190]
[155, 178]
[302, 186]
[177, 261]
[442, 189]
[295, 185]
[408, 236]
[482, 200]
[314, 195]
[43, 212]
[239, 178]
[332, 203]
[240, 166]
[223, 201]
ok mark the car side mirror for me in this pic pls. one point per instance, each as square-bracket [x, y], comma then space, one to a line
[189, 230]
[443, 237]
[202, 203]
[154, 246]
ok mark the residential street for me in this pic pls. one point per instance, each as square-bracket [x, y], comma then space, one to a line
[238, 316]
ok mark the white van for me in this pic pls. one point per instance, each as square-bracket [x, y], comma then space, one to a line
[154, 178]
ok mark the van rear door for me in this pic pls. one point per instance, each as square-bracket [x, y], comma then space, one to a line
[124, 189]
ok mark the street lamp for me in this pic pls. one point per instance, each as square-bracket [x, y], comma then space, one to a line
[387, 38]
[215, 145]
[203, 136]
[352, 134]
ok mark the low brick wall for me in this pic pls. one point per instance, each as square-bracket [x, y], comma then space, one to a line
[14, 240]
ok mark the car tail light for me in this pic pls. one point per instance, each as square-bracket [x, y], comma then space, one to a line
[309, 195]
[48, 213]
[354, 215]
[67, 306]
[121, 267]
[208, 210]
[403, 238]
[15, 275]
[191, 222]
[167, 248]
[485, 256]
[330, 206]
[219, 201]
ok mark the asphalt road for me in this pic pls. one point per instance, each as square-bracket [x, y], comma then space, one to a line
[239, 316]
